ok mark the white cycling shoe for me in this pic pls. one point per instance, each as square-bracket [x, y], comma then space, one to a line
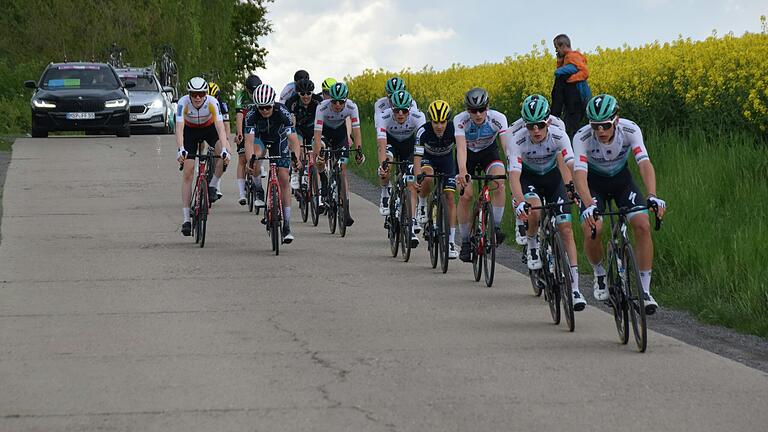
[579, 303]
[421, 214]
[452, 252]
[600, 291]
[384, 206]
[534, 260]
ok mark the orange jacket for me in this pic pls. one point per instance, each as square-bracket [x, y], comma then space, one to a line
[577, 59]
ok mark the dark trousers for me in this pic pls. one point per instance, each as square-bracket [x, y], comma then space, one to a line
[567, 104]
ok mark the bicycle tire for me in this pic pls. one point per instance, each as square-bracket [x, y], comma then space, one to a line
[635, 301]
[393, 224]
[194, 212]
[476, 240]
[204, 205]
[305, 203]
[341, 214]
[331, 206]
[314, 196]
[274, 221]
[443, 233]
[617, 299]
[564, 282]
[551, 292]
[249, 194]
[431, 233]
[406, 224]
[489, 245]
[535, 276]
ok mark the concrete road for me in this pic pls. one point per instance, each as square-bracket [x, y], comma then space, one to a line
[110, 320]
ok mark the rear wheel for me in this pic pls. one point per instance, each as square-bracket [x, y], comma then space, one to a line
[564, 282]
[124, 132]
[39, 133]
[489, 245]
[406, 224]
[635, 301]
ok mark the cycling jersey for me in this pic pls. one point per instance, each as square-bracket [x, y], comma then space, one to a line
[272, 129]
[288, 91]
[608, 159]
[204, 116]
[538, 158]
[480, 137]
[520, 124]
[326, 116]
[388, 128]
[428, 142]
[304, 114]
[243, 101]
[223, 106]
[384, 104]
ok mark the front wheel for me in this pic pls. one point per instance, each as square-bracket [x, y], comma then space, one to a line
[636, 304]
[617, 299]
[476, 242]
[564, 282]
[331, 206]
[443, 234]
[432, 234]
[274, 222]
[341, 214]
[203, 219]
[489, 245]
[406, 224]
[314, 196]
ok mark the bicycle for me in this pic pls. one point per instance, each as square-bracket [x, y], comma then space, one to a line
[554, 276]
[623, 279]
[482, 234]
[436, 229]
[200, 202]
[336, 199]
[303, 193]
[399, 222]
[273, 213]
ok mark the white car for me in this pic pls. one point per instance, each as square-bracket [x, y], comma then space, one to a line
[151, 105]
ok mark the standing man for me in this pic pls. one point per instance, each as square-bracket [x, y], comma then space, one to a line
[571, 90]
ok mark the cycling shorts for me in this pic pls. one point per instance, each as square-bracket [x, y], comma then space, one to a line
[483, 160]
[551, 187]
[445, 164]
[621, 189]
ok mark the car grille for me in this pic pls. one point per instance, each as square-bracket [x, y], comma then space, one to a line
[80, 105]
[138, 109]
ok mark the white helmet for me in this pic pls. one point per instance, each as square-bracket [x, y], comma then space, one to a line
[264, 94]
[197, 84]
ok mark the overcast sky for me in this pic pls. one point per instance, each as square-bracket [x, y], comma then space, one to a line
[344, 37]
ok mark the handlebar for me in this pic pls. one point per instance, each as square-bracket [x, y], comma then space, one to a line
[201, 156]
[483, 178]
[622, 211]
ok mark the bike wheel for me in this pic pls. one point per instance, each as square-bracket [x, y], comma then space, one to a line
[204, 206]
[443, 233]
[551, 290]
[476, 243]
[304, 204]
[249, 194]
[489, 245]
[274, 222]
[406, 224]
[331, 205]
[564, 282]
[431, 232]
[617, 299]
[314, 196]
[341, 214]
[636, 304]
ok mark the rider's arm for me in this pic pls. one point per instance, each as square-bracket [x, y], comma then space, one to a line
[381, 138]
[649, 176]
[319, 120]
[564, 156]
[249, 139]
[180, 124]
[461, 145]
[514, 169]
[353, 121]
[222, 135]
[418, 151]
[239, 124]
[641, 155]
[580, 167]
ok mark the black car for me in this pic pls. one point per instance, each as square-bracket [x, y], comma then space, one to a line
[80, 97]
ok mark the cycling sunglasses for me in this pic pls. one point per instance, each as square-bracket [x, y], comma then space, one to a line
[305, 93]
[339, 102]
[401, 110]
[197, 94]
[265, 107]
[602, 125]
[477, 110]
[540, 125]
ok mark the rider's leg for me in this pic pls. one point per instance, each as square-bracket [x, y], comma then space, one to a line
[218, 167]
[498, 200]
[450, 205]
[241, 175]
[641, 228]
[426, 184]
[186, 186]
[463, 214]
[566, 233]
[284, 178]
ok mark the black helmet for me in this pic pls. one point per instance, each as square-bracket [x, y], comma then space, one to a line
[304, 85]
[476, 98]
[252, 82]
[300, 75]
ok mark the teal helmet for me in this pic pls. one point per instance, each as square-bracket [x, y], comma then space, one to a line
[401, 99]
[602, 107]
[535, 109]
[339, 91]
[394, 84]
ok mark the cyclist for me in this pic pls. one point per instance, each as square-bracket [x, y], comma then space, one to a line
[476, 130]
[382, 104]
[272, 123]
[302, 106]
[434, 151]
[198, 119]
[601, 173]
[535, 170]
[290, 88]
[326, 86]
[396, 137]
[215, 91]
[244, 103]
[330, 123]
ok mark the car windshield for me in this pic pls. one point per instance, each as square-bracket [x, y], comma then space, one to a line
[79, 77]
[143, 82]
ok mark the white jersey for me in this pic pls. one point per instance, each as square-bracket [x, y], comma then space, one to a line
[387, 125]
[204, 116]
[538, 158]
[384, 104]
[288, 91]
[480, 137]
[520, 124]
[326, 116]
[608, 159]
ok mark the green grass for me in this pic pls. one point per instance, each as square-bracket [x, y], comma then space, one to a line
[711, 254]
[5, 144]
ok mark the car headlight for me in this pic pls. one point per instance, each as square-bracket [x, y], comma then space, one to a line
[116, 103]
[39, 103]
[157, 103]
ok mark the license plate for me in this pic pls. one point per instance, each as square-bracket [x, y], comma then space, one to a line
[134, 117]
[81, 116]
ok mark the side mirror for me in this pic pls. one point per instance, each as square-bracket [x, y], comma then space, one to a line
[168, 89]
[30, 84]
[129, 84]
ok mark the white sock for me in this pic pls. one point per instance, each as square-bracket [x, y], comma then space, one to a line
[464, 232]
[241, 186]
[286, 216]
[575, 278]
[215, 181]
[599, 269]
[498, 214]
[518, 224]
[185, 210]
[384, 192]
[452, 236]
[645, 280]
[533, 242]
[422, 201]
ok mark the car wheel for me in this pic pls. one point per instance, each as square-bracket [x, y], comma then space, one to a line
[124, 132]
[39, 133]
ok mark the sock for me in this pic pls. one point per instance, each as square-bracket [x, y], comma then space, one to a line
[286, 217]
[384, 191]
[422, 201]
[185, 210]
[464, 231]
[452, 236]
[575, 277]
[599, 269]
[241, 186]
[518, 224]
[215, 181]
[498, 214]
[645, 280]
[533, 242]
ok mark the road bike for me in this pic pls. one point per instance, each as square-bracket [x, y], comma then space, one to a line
[399, 222]
[336, 198]
[200, 202]
[482, 236]
[273, 213]
[436, 230]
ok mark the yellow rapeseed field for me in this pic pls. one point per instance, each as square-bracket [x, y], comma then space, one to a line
[719, 82]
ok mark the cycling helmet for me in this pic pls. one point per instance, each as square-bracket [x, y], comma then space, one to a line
[263, 95]
[252, 82]
[328, 83]
[197, 84]
[304, 85]
[339, 91]
[535, 109]
[300, 75]
[439, 111]
[394, 84]
[476, 98]
[401, 99]
[602, 108]
[213, 89]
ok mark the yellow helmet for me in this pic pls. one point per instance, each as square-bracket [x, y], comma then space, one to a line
[328, 83]
[213, 89]
[439, 111]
